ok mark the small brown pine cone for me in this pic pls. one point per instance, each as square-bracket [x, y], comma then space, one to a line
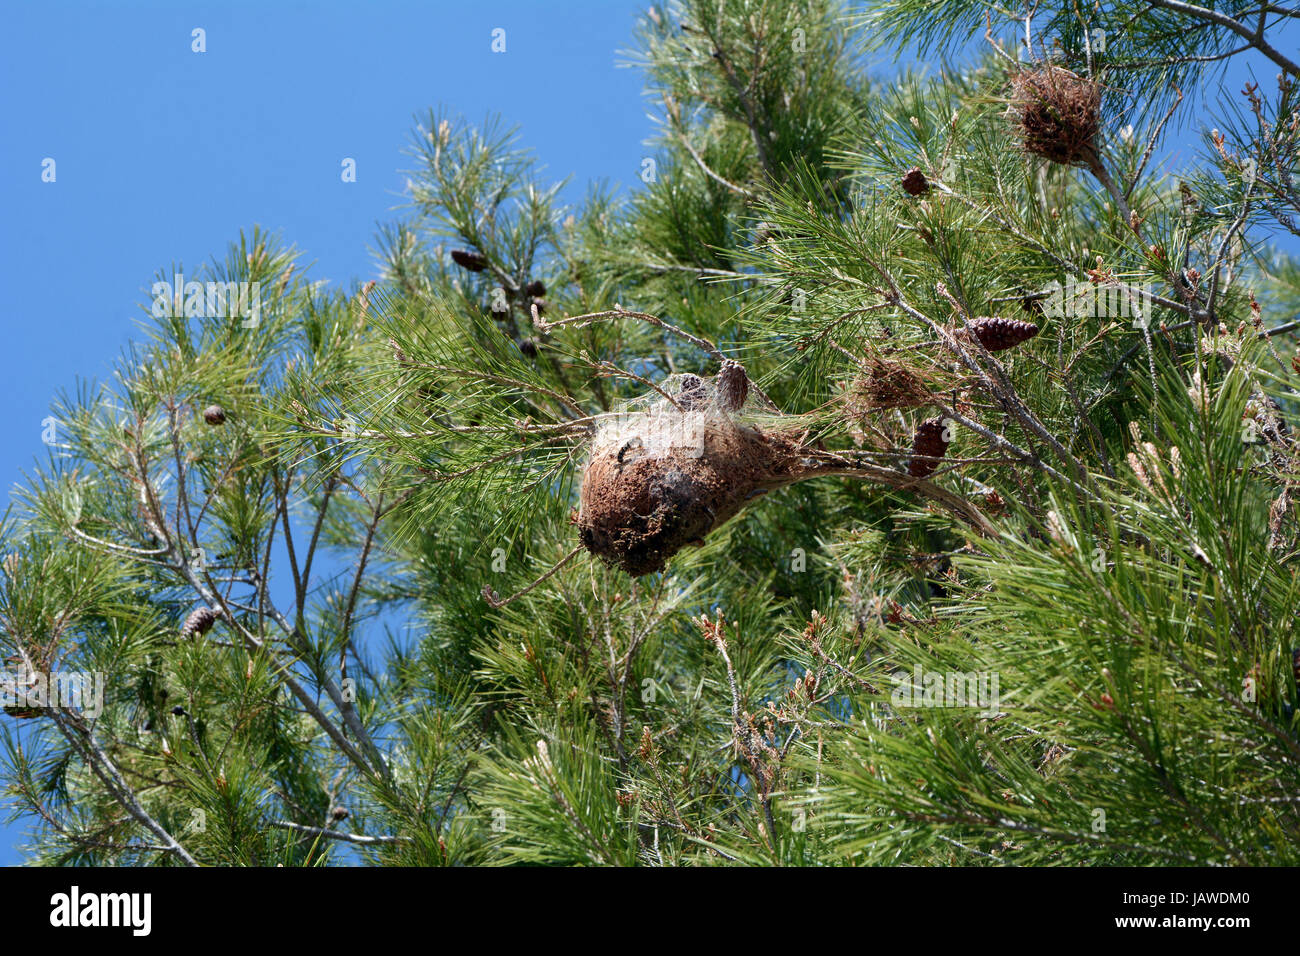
[536, 289]
[466, 259]
[339, 813]
[692, 393]
[733, 386]
[996, 334]
[528, 347]
[928, 446]
[915, 183]
[214, 415]
[199, 622]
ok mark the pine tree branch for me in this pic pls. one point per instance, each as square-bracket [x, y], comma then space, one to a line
[1254, 38]
[83, 741]
[359, 839]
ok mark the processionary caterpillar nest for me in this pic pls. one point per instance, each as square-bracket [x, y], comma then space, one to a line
[675, 465]
[672, 467]
[1057, 114]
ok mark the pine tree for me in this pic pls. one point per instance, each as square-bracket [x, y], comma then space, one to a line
[900, 473]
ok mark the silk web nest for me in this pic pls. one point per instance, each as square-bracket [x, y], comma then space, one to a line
[676, 464]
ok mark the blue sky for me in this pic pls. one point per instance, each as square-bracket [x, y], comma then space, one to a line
[163, 155]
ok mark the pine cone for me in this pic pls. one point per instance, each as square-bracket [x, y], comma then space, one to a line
[536, 289]
[339, 813]
[692, 393]
[996, 334]
[214, 415]
[928, 446]
[915, 183]
[733, 386]
[200, 621]
[528, 347]
[466, 259]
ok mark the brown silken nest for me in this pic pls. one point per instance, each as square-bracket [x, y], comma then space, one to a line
[1057, 114]
[674, 466]
[885, 385]
[639, 510]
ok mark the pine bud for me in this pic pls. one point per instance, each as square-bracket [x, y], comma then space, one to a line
[469, 260]
[646, 748]
[915, 183]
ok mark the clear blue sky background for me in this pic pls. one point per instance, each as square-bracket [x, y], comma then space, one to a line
[163, 155]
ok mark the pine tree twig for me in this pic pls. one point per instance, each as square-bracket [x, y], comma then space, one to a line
[757, 132]
[307, 700]
[1221, 257]
[493, 600]
[1102, 175]
[618, 312]
[997, 383]
[699, 161]
[1254, 37]
[83, 741]
[360, 839]
[741, 735]
[1151, 145]
[345, 708]
[210, 597]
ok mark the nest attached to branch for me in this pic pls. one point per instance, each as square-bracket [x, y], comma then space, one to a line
[886, 384]
[1056, 114]
[674, 466]
[670, 468]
